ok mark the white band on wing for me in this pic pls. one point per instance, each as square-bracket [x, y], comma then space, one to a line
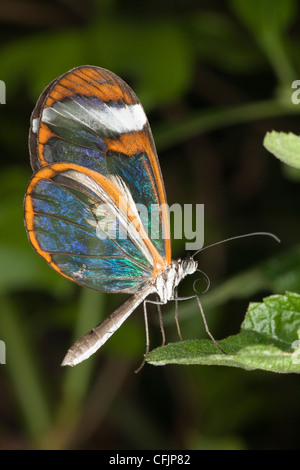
[107, 117]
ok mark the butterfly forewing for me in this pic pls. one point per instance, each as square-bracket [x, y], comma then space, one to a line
[90, 117]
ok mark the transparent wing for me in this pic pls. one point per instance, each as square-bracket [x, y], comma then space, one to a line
[79, 221]
[90, 117]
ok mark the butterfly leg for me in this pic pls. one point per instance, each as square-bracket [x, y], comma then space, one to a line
[206, 326]
[204, 320]
[158, 303]
[176, 312]
[147, 338]
[161, 324]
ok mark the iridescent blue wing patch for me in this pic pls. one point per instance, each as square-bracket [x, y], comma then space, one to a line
[74, 221]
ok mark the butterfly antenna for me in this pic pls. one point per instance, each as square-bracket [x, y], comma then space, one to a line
[208, 281]
[236, 238]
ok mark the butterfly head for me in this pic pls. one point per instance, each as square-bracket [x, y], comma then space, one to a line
[167, 281]
[188, 265]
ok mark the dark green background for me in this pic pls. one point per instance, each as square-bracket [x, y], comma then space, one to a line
[214, 77]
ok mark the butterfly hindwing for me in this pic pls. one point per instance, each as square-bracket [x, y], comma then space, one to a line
[74, 220]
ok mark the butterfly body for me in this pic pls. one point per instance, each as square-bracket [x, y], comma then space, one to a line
[164, 285]
[95, 207]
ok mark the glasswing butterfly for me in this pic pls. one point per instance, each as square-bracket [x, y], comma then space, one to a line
[95, 164]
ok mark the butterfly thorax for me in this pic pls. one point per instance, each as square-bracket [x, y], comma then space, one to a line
[166, 282]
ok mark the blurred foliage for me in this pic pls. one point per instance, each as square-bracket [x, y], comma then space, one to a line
[214, 77]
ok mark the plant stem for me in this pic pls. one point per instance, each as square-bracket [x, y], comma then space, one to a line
[205, 121]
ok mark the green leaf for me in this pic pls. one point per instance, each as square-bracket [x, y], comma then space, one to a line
[284, 146]
[269, 340]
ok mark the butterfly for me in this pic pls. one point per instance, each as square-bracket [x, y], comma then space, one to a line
[95, 167]
[94, 162]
